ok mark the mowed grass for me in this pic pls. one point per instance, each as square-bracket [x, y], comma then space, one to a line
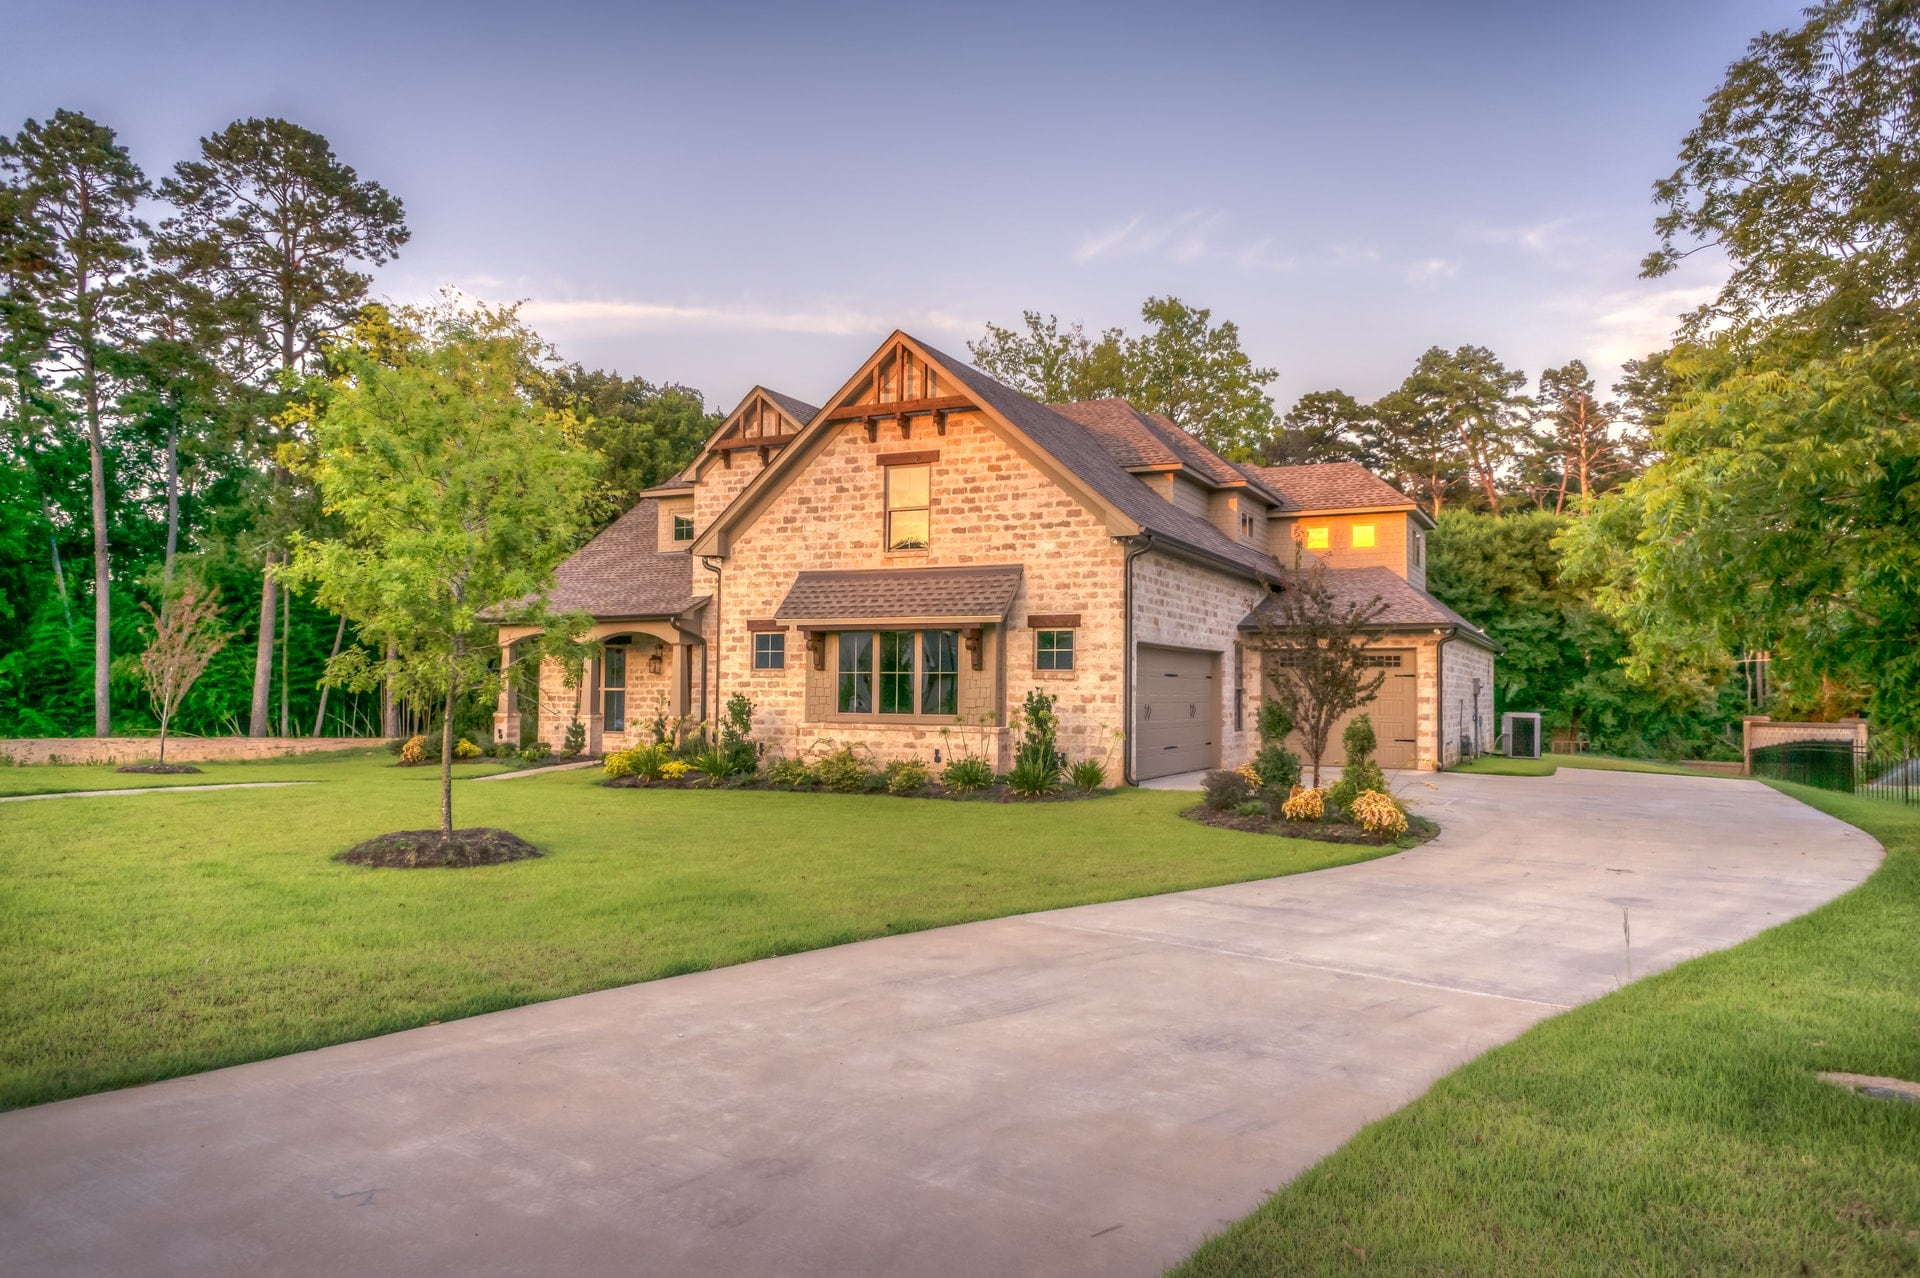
[1674, 1127]
[1547, 764]
[153, 935]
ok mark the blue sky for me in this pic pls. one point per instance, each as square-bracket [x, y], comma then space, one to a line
[728, 194]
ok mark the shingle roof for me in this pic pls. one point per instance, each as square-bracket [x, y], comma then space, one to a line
[623, 573]
[885, 593]
[799, 409]
[1405, 604]
[1081, 452]
[1329, 486]
[1122, 430]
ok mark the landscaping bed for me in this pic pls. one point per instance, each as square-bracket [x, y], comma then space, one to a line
[1418, 830]
[432, 850]
[999, 792]
[157, 769]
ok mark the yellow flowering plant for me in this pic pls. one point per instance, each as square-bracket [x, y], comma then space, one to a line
[1376, 812]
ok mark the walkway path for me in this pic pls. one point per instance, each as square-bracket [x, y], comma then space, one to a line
[1086, 1091]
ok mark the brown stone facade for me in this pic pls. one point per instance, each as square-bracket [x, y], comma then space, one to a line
[989, 506]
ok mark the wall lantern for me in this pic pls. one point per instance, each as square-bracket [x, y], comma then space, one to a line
[657, 659]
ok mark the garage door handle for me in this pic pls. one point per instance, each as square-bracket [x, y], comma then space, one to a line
[1193, 711]
[1148, 710]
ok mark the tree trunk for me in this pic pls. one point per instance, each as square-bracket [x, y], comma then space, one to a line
[102, 587]
[446, 767]
[391, 724]
[286, 637]
[263, 654]
[173, 517]
[164, 715]
[320, 718]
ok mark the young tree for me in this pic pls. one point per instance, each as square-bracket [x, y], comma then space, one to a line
[1804, 170]
[77, 189]
[270, 224]
[1314, 644]
[186, 636]
[456, 494]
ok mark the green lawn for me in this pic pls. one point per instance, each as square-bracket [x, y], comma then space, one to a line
[155, 935]
[1500, 766]
[1674, 1127]
[319, 766]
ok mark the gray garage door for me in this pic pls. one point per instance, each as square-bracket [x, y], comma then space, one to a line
[1395, 711]
[1176, 711]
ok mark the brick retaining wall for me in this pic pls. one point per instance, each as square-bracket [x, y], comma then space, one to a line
[179, 749]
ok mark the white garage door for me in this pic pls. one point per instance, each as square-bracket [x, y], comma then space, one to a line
[1176, 711]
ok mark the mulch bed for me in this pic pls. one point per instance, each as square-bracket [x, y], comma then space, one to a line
[427, 850]
[158, 769]
[992, 794]
[1419, 829]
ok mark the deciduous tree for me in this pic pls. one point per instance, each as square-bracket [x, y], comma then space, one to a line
[1313, 645]
[186, 635]
[456, 496]
[1323, 426]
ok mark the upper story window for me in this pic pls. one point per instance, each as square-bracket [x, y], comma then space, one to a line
[1317, 538]
[1246, 527]
[1363, 536]
[1419, 541]
[909, 497]
[683, 527]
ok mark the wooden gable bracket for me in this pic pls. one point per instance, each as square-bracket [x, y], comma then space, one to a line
[817, 648]
[940, 421]
[906, 428]
[873, 430]
[765, 453]
[726, 459]
[976, 649]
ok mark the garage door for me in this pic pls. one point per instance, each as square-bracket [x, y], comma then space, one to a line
[1395, 711]
[1176, 711]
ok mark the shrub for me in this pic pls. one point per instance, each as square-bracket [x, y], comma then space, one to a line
[718, 763]
[1039, 733]
[967, 775]
[907, 776]
[1251, 808]
[675, 769]
[465, 749]
[414, 752]
[1376, 812]
[736, 734]
[843, 771]
[1035, 775]
[534, 751]
[1225, 789]
[1278, 769]
[1273, 723]
[791, 774]
[1361, 772]
[618, 764]
[648, 761]
[1304, 805]
[1088, 775]
[576, 739]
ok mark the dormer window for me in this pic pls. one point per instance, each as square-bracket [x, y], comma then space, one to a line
[683, 527]
[1317, 539]
[1363, 536]
[909, 500]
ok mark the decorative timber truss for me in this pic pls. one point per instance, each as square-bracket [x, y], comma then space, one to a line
[764, 423]
[903, 388]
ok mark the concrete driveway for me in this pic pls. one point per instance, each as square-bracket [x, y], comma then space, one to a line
[1088, 1091]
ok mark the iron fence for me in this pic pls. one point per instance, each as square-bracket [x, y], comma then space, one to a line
[1880, 771]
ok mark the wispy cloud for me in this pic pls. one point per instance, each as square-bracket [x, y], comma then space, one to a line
[1538, 237]
[608, 317]
[1182, 238]
[1628, 323]
[1262, 256]
[1432, 269]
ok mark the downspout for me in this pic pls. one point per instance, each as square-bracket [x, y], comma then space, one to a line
[1141, 545]
[713, 648]
[1440, 700]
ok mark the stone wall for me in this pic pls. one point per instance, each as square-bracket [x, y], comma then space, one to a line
[1177, 604]
[989, 506]
[179, 749]
[1461, 716]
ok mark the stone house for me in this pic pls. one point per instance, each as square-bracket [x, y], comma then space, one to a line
[899, 568]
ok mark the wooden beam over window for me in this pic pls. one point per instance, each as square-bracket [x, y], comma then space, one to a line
[924, 458]
[1053, 621]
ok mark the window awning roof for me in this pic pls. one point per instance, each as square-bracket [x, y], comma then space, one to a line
[902, 596]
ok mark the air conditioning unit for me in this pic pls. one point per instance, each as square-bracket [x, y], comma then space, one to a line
[1522, 735]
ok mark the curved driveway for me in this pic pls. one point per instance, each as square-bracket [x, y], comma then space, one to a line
[1086, 1091]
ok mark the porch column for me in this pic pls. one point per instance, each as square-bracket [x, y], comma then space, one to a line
[506, 716]
[587, 704]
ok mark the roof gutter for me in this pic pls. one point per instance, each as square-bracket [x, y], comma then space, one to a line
[1128, 664]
